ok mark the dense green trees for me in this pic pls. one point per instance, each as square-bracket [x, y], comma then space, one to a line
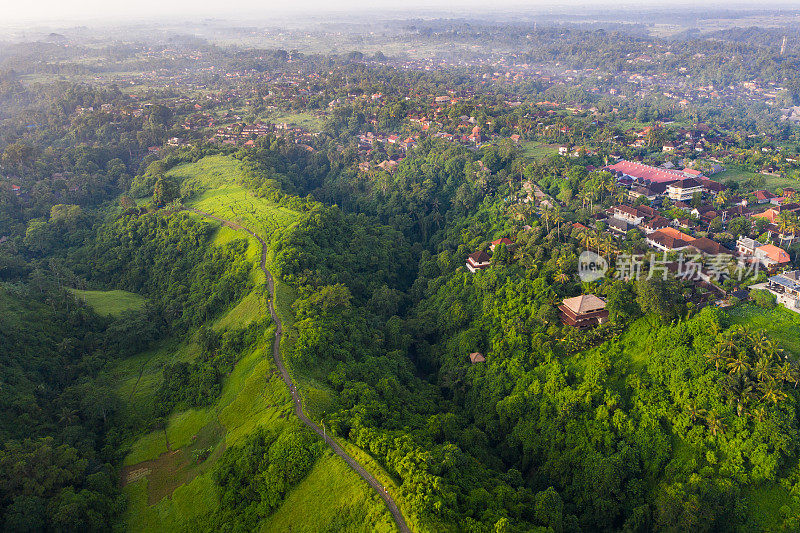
[55, 471]
[254, 478]
[168, 258]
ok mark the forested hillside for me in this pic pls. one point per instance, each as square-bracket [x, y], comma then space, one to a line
[248, 289]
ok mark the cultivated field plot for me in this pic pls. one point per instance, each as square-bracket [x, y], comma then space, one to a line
[307, 120]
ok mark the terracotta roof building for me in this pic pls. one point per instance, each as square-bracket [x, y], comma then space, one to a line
[478, 261]
[669, 239]
[772, 256]
[709, 247]
[505, 240]
[476, 357]
[583, 311]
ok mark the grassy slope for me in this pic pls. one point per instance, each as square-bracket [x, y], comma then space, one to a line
[110, 302]
[253, 395]
[224, 197]
[779, 323]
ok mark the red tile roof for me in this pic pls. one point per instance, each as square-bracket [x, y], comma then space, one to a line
[778, 255]
[646, 172]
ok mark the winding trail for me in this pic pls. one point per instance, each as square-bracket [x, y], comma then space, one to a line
[298, 406]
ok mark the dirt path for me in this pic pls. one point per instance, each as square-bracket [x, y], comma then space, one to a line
[298, 406]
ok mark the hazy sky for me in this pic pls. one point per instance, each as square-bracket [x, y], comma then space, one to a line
[54, 11]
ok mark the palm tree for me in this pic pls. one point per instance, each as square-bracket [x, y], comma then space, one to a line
[740, 392]
[721, 199]
[772, 393]
[558, 218]
[587, 199]
[739, 364]
[794, 374]
[607, 244]
[759, 341]
[759, 414]
[586, 239]
[715, 424]
[784, 372]
[788, 224]
[730, 345]
[716, 355]
[561, 277]
[547, 217]
[693, 410]
[772, 348]
[763, 369]
[67, 416]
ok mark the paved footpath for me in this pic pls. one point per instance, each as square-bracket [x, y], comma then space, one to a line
[298, 406]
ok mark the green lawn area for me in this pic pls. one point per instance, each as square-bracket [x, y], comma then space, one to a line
[740, 176]
[211, 171]
[306, 119]
[112, 303]
[778, 323]
[538, 150]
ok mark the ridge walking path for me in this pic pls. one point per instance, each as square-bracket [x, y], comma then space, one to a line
[298, 406]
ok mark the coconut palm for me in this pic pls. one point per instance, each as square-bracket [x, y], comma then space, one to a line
[558, 218]
[759, 341]
[739, 364]
[586, 239]
[759, 414]
[693, 410]
[67, 416]
[547, 216]
[721, 199]
[716, 355]
[784, 372]
[715, 423]
[772, 393]
[740, 392]
[763, 369]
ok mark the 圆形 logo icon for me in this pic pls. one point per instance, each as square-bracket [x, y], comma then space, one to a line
[591, 266]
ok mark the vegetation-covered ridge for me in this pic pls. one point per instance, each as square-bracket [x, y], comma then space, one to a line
[421, 210]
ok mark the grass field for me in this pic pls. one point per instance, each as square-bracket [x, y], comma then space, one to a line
[112, 303]
[218, 178]
[538, 150]
[336, 507]
[740, 176]
[167, 488]
[235, 203]
[306, 120]
[211, 171]
[779, 323]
